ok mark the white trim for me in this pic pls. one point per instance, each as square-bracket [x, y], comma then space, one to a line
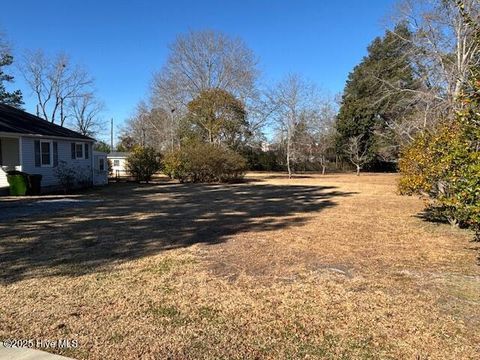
[20, 151]
[92, 164]
[50, 142]
[83, 151]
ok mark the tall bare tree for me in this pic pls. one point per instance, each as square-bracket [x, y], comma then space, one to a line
[206, 60]
[442, 52]
[55, 82]
[323, 132]
[86, 114]
[295, 103]
[154, 127]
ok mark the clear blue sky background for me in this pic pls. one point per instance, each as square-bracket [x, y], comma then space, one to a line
[122, 43]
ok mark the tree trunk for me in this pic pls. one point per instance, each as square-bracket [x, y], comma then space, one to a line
[288, 159]
[323, 169]
[358, 170]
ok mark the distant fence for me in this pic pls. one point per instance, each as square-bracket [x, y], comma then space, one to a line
[120, 175]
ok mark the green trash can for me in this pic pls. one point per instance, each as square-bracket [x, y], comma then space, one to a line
[18, 183]
[34, 184]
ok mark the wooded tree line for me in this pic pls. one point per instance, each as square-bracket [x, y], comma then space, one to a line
[210, 90]
[409, 81]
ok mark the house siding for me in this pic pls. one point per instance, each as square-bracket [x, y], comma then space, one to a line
[82, 166]
[121, 168]
[3, 180]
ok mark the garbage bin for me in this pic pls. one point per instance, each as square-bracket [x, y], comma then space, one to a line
[18, 183]
[34, 184]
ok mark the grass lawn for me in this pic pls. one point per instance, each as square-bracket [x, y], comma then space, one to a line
[333, 266]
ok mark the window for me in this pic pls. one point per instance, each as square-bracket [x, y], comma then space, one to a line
[46, 153]
[116, 162]
[79, 150]
[101, 164]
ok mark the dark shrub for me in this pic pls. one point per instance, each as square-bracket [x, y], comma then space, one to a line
[143, 163]
[204, 162]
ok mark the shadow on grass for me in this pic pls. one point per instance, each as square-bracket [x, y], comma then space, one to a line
[132, 221]
[432, 215]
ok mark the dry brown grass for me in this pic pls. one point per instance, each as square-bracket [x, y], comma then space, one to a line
[334, 266]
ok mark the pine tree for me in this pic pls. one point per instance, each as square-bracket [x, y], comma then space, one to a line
[372, 98]
[13, 98]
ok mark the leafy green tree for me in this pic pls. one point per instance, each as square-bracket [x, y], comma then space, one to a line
[216, 116]
[102, 146]
[376, 93]
[126, 143]
[13, 98]
[143, 163]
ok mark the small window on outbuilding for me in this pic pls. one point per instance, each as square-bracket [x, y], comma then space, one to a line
[101, 164]
[116, 162]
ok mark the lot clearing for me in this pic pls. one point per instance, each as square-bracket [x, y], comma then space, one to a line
[334, 266]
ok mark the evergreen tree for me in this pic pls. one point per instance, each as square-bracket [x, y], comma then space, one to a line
[375, 93]
[13, 98]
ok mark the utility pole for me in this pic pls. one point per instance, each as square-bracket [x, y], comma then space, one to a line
[111, 135]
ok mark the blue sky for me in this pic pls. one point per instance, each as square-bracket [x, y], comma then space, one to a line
[122, 43]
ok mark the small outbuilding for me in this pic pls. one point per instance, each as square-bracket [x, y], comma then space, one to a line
[118, 163]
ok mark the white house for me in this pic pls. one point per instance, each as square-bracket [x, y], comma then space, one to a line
[36, 146]
[118, 162]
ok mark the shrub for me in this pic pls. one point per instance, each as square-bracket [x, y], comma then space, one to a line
[204, 162]
[444, 167]
[65, 175]
[143, 163]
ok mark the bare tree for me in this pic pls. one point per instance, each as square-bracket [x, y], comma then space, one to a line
[55, 83]
[355, 153]
[295, 102]
[442, 52]
[153, 127]
[207, 60]
[324, 132]
[86, 114]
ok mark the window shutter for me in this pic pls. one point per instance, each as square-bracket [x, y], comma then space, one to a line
[86, 151]
[73, 150]
[55, 154]
[37, 153]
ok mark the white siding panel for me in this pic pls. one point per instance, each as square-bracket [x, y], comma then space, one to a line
[3, 179]
[64, 154]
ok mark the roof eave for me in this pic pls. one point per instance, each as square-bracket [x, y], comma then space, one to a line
[89, 139]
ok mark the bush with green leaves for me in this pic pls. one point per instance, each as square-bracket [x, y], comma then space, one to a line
[204, 162]
[444, 166]
[143, 163]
